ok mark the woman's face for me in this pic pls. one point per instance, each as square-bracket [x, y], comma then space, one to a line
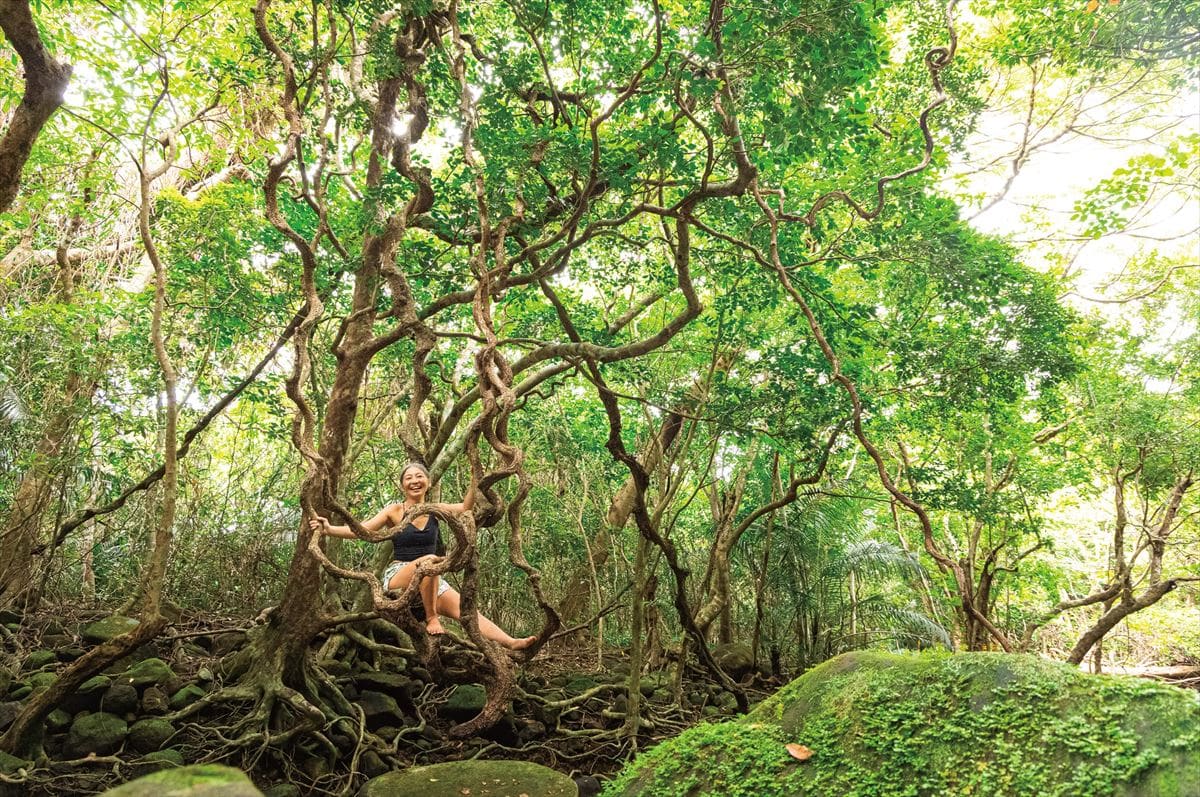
[415, 483]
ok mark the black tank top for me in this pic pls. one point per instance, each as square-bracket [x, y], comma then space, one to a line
[412, 543]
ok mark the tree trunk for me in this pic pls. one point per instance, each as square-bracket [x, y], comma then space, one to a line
[45, 82]
[20, 534]
[575, 604]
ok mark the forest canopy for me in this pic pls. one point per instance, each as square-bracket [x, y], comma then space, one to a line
[801, 326]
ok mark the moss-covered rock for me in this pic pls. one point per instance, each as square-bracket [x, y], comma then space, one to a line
[159, 760]
[39, 659]
[147, 672]
[186, 696]
[107, 628]
[477, 778]
[736, 659]
[10, 764]
[42, 680]
[987, 725]
[200, 780]
[464, 702]
[58, 720]
[98, 733]
[148, 735]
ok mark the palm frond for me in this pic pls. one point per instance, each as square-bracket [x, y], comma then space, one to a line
[876, 559]
[908, 627]
[11, 409]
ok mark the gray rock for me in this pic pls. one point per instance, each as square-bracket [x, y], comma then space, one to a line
[530, 730]
[372, 765]
[149, 735]
[120, 699]
[57, 641]
[398, 686]
[588, 786]
[736, 659]
[100, 733]
[87, 696]
[8, 713]
[315, 767]
[154, 700]
[379, 709]
[198, 780]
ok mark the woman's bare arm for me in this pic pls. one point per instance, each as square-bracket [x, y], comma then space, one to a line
[380, 521]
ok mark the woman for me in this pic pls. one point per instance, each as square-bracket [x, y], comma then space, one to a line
[419, 538]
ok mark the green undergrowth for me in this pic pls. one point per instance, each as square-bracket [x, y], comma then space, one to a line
[884, 725]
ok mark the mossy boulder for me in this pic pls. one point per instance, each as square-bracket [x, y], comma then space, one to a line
[987, 725]
[148, 672]
[186, 696]
[42, 680]
[464, 702]
[148, 735]
[39, 659]
[98, 733]
[476, 778]
[58, 720]
[159, 760]
[200, 780]
[736, 659]
[10, 764]
[107, 628]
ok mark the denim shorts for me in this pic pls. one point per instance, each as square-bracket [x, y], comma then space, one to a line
[390, 572]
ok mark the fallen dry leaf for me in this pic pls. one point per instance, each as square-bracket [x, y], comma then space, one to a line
[799, 751]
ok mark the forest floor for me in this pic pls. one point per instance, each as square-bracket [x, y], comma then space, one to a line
[568, 715]
[569, 712]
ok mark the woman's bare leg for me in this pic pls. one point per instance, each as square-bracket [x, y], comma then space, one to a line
[449, 606]
[428, 590]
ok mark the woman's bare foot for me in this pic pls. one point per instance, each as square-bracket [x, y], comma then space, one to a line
[434, 627]
[520, 644]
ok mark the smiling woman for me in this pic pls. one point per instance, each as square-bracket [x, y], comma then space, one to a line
[415, 540]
